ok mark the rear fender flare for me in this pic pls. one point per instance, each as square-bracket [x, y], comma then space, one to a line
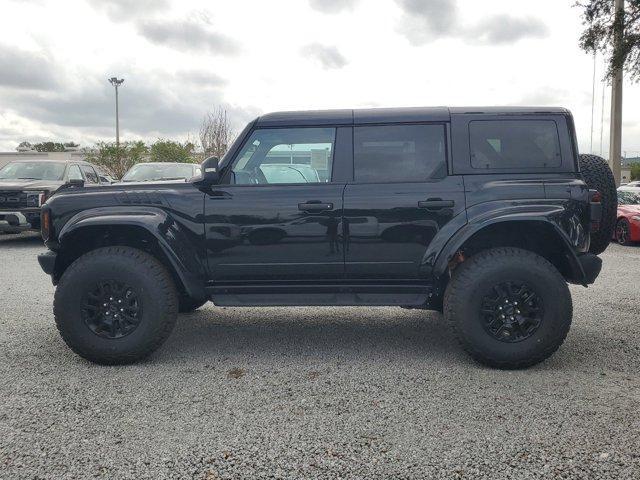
[546, 217]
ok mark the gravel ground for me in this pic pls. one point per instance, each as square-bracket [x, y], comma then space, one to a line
[318, 393]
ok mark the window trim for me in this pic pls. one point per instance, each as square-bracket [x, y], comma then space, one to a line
[228, 170]
[447, 152]
[516, 169]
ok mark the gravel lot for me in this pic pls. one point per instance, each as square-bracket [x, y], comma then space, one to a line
[318, 392]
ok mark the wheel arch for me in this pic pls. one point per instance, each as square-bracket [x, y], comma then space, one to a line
[151, 230]
[536, 234]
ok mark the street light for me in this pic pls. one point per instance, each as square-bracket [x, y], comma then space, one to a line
[116, 83]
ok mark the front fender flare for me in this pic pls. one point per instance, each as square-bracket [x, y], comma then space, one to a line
[169, 234]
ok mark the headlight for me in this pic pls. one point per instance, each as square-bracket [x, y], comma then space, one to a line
[636, 218]
[36, 198]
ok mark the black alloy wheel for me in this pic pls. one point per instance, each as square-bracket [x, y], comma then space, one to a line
[511, 312]
[112, 309]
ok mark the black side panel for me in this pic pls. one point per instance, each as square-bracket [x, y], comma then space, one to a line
[388, 227]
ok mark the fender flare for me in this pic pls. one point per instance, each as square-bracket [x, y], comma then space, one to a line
[445, 255]
[169, 234]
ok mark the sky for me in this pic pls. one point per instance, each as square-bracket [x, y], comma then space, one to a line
[182, 58]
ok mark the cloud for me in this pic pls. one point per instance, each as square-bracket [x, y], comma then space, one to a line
[423, 21]
[332, 6]
[187, 35]
[328, 56]
[121, 10]
[26, 70]
[501, 29]
[201, 78]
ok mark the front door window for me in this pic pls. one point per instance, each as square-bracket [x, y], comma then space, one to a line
[285, 156]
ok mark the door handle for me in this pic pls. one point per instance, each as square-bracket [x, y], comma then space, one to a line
[436, 204]
[315, 206]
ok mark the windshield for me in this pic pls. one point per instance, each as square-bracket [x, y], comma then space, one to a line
[147, 172]
[629, 198]
[33, 171]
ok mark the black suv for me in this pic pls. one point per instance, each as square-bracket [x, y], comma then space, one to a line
[483, 213]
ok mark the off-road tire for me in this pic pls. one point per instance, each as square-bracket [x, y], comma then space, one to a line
[146, 275]
[476, 276]
[597, 175]
[186, 304]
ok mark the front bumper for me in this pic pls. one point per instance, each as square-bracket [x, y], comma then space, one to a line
[15, 222]
[591, 265]
[47, 261]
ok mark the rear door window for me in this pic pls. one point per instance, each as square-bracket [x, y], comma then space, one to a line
[399, 153]
[514, 144]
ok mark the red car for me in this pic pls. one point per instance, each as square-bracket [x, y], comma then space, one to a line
[628, 226]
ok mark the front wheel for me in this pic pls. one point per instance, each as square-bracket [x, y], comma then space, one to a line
[115, 305]
[509, 307]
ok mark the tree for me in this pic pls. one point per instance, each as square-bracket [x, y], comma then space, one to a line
[116, 160]
[171, 151]
[602, 22]
[216, 133]
[24, 147]
[635, 171]
[49, 147]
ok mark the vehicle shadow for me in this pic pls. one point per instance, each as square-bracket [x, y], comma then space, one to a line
[357, 334]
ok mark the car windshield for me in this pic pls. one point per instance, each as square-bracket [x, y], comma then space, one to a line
[629, 198]
[33, 171]
[147, 172]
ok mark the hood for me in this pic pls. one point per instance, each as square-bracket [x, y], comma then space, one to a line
[151, 182]
[15, 184]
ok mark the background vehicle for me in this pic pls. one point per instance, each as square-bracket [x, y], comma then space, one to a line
[161, 171]
[483, 213]
[26, 184]
[628, 219]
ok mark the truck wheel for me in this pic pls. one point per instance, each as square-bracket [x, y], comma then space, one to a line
[187, 304]
[115, 305]
[597, 175]
[509, 308]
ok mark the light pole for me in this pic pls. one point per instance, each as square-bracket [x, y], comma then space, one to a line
[116, 83]
[615, 143]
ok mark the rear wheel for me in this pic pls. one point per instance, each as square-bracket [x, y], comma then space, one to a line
[509, 308]
[115, 305]
[623, 232]
[598, 176]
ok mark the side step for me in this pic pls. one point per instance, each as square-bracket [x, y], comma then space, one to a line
[319, 295]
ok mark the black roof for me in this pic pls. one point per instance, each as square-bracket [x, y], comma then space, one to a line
[386, 115]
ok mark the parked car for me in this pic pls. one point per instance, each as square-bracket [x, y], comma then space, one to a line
[26, 184]
[628, 221]
[485, 214]
[161, 171]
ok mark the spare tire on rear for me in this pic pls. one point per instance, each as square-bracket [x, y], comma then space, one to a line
[598, 176]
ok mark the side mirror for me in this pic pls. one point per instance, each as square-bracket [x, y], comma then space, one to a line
[210, 173]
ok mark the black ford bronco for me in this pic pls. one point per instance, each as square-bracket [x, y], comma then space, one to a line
[485, 214]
